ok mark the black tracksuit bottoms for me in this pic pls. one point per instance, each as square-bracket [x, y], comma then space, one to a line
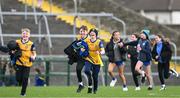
[134, 73]
[22, 75]
[79, 67]
[163, 71]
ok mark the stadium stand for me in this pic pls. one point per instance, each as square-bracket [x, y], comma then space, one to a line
[68, 19]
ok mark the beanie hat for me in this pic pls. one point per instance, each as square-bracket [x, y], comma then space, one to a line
[146, 32]
[94, 30]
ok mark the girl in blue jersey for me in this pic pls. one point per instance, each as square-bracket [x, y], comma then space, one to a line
[144, 57]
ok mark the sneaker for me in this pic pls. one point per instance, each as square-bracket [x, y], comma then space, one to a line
[23, 95]
[89, 90]
[95, 91]
[137, 88]
[163, 87]
[113, 82]
[143, 79]
[150, 88]
[174, 72]
[125, 89]
[80, 88]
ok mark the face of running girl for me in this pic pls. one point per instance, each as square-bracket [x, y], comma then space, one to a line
[83, 33]
[92, 35]
[133, 38]
[143, 36]
[157, 38]
[116, 35]
[25, 35]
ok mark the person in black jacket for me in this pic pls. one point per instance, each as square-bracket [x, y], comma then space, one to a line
[116, 56]
[133, 54]
[144, 56]
[76, 55]
[162, 53]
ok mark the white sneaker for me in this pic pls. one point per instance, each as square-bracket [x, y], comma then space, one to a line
[23, 95]
[113, 82]
[163, 87]
[125, 89]
[137, 88]
[174, 72]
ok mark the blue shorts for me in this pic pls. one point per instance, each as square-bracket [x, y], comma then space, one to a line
[146, 63]
[119, 63]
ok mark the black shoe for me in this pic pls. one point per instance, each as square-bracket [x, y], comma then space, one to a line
[143, 79]
[95, 91]
[150, 88]
[89, 90]
[80, 88]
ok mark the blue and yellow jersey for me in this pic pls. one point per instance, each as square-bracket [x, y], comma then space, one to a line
[93, 48]
[26, 48]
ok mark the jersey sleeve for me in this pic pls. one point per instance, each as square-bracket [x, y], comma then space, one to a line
[33, 48]
[101, 44]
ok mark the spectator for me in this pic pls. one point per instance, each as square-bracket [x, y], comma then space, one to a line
[39, 78]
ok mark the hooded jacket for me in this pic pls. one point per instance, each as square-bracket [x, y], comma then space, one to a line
[110, 51]
[165, 54]
[74, 51]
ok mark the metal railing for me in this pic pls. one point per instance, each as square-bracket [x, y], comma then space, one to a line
[71, 14]
[1, 16]
[49, 59]
[47, 31]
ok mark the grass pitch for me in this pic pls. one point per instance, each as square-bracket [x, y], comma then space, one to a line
[103, 92]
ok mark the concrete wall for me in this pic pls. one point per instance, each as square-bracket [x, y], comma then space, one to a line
[164, 17]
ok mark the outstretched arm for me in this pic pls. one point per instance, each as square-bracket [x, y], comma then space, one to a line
[4, 49]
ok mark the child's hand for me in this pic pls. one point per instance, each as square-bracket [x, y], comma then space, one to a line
[129, 56]
[82, 49]
[33, 58]
[12, 51]
[97, 52]
[120, 44]
[157, 57]
[139, 48]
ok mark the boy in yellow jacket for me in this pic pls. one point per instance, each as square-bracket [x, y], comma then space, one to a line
[24, 62]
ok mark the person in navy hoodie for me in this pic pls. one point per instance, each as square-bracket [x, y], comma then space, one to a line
[162, 53]
[144, 57]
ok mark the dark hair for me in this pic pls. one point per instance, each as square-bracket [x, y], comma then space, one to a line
[136, 35]
[93, 30]
[113, 35]
[161, 36]
[38, 70]
[83, 27]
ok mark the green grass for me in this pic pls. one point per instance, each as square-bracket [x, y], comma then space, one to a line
[103, 92]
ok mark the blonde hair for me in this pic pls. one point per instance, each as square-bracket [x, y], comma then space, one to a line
[27, 30]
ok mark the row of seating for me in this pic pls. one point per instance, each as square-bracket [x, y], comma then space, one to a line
[45, 6]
